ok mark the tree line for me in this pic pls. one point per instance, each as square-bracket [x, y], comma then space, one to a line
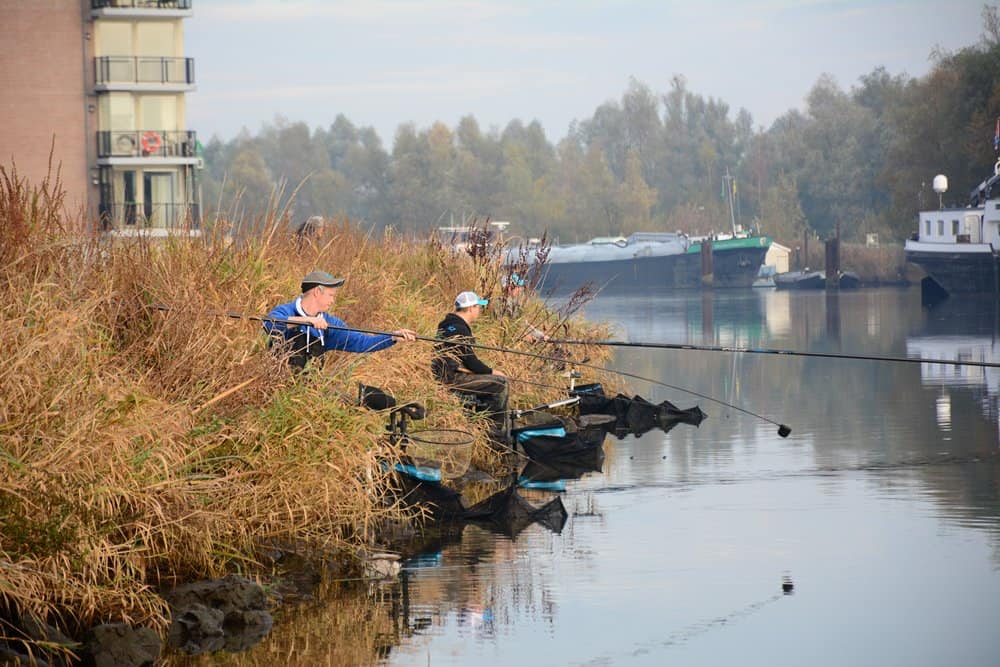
[852, 162]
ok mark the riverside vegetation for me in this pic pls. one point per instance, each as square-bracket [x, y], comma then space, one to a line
[857, 158]
[141, 447]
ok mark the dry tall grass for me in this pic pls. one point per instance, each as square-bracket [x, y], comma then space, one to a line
[140, 446]
[883, 265]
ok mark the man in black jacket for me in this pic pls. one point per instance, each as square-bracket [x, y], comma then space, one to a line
[457, 365]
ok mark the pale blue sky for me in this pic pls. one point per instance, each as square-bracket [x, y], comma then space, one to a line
[386, 62]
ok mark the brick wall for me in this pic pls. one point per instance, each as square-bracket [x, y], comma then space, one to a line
[43, 56]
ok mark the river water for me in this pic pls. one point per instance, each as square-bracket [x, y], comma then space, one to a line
[881, 510]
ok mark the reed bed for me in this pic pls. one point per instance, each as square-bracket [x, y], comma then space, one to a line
[882, 265]
[146, 438]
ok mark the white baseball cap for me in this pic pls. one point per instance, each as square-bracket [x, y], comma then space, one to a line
[469, 299]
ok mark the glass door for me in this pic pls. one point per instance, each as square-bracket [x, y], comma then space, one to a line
[128, 197]
[158, 199]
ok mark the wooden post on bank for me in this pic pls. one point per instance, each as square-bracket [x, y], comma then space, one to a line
[833, 263]
[707, 268]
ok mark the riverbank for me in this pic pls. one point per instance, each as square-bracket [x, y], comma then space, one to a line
[875, 266]
[142, 446]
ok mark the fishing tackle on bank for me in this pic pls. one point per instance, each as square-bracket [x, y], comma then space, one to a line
[779, 352]
[783, 429]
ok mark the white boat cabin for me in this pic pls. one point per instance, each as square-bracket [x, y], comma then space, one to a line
[956, 225]
[977, 224]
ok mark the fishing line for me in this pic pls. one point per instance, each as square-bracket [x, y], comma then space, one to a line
[783, 429]
[779, 352]
[544, 385]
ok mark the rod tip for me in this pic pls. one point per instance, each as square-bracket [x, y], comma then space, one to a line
[784, 430]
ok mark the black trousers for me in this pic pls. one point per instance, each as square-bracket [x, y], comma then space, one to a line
[492, 389]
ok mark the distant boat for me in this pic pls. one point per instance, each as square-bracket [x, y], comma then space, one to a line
[800, 280]
[849, 280]
[814, 280]
[958, 247]
[647, 260]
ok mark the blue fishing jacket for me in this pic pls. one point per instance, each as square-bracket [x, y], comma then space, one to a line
[330, 339]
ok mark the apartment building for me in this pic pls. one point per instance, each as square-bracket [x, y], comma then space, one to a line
[102, 84]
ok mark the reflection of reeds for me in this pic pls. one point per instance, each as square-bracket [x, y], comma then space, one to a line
[142, 446]
[349, 623]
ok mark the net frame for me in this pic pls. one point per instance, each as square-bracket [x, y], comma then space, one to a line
[449, 450]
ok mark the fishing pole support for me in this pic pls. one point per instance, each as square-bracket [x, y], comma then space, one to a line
[572, 375]
[398, 421]
[517, 414]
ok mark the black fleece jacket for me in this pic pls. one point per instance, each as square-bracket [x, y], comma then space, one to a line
[452, 356]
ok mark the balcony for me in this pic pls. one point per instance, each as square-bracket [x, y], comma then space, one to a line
[153, 219]
[141, 8]
[143, 73]
[140, 147]
[141, 4]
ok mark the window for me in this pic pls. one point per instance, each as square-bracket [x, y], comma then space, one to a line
[158, 203]
[159, 112]
[114, 38]
[954, 227]
[155, 39]
[940, 227]
[927, 227]
[117, 112]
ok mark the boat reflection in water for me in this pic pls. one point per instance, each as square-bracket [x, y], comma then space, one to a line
[949, 351]
[950, 377]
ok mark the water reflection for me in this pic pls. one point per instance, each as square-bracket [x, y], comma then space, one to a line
[883, 506]
[937, 423]
[884, 477]
[966, 332]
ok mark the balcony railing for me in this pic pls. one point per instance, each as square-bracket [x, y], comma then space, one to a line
[139, 215]
[143, 69]
[140, 4]
[145, 143]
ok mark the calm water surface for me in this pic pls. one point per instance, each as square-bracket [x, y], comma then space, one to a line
[882, 507]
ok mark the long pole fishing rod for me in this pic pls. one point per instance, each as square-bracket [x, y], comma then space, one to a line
[779, 352]
[783, 429]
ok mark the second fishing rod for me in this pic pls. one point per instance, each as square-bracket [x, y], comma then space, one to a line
[774, 351]
[783, 429]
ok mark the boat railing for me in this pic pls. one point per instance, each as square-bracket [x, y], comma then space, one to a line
[619, 241]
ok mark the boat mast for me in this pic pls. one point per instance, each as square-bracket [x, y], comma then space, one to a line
[729, 197]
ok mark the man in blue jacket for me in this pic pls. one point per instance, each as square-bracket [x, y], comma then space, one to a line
[305, 330]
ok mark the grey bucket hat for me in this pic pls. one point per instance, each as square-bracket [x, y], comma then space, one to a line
[323, 278]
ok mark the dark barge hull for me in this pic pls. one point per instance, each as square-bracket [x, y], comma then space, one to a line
[960, 273]
[735, 267]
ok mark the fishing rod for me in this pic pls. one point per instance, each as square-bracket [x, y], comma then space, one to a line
[779, 352]
[783, 429]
